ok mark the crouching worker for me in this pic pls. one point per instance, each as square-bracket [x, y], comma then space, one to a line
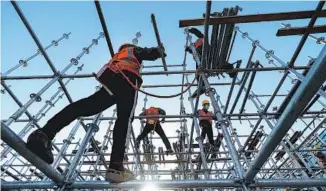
[153, 123]
[206, 122]
[115, 90]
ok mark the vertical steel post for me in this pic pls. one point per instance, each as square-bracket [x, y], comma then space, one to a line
[92, 127]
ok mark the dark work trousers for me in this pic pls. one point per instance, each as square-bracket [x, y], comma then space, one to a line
[207, 129]
[158, 129]
[123, 96]
[202, 85]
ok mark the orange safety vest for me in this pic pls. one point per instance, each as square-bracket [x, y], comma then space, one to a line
[199, 42]
[207, 118]
[152, 111]
[123, 60]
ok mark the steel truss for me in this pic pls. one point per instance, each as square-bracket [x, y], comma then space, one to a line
[272, 157]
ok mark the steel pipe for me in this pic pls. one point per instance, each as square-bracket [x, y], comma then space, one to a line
[204, 183]
[147, 73]
[15, 142]
[314, 79]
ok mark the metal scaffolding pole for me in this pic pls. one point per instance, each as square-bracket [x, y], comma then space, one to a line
[81, 164]
[204, 183]
[40, 114]
[221, 121]
[41, 48]
[25, 62]
[312, 82]
[92, 127]
[15, 142]
[271, 54]
[74, 61]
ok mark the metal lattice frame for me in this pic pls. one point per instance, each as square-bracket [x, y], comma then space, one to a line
[264, 161]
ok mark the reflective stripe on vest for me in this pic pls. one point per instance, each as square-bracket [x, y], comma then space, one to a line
[152, 111]
[123, 60]
[206, 118]
[199, 42]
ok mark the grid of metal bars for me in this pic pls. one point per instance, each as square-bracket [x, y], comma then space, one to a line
[279, 159]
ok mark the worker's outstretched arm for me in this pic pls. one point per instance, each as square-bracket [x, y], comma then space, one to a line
[196, 32]
[161, 112]
[149, 53]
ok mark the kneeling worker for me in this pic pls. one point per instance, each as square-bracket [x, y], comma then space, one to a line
[153, 123]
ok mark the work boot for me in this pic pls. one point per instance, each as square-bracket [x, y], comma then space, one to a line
[40, 144]
[117, 176]
[169, 151]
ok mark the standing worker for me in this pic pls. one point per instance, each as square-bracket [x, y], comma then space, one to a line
[116, 77]
[153, 123]
[206, 122]
[199, 49]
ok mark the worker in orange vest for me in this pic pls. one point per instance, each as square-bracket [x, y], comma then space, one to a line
[206, 122]
[153, 123]
[116, 77]
[199, 49]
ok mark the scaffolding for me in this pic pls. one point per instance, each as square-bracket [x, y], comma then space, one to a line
[277, 154]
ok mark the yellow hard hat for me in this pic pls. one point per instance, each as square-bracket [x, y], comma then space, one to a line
[126, 45]
[205, 102]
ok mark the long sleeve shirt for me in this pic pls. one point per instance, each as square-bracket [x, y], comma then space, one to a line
[142, 54]
[150, 54]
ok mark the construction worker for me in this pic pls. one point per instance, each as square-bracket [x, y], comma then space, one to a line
[320, 155]
[199, 49]
[153, 123]
[116, 77]
[206, 122]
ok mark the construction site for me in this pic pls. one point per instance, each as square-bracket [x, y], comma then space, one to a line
[269, 127]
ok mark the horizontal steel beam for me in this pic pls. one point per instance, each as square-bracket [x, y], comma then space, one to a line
[300, 30]
[184, 85]
[251, 18]
[155, 73]
[205, 183]
[191, 116]
[233, 118]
